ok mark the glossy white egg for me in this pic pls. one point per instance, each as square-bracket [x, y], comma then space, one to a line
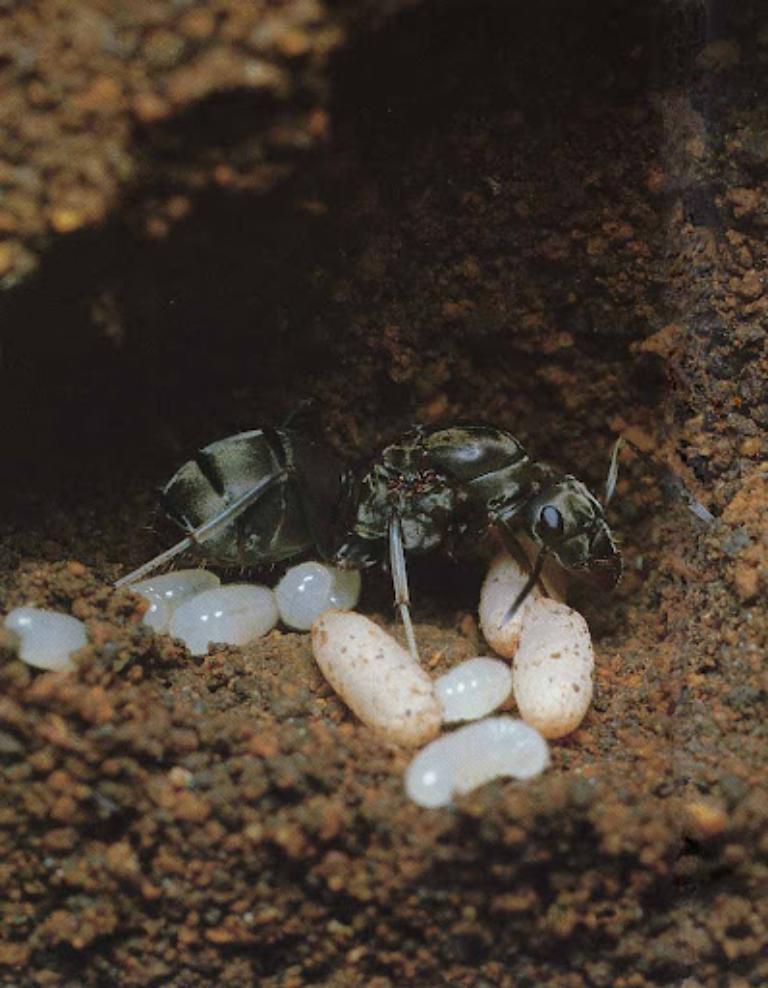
[473, 689]
[309, 589]
[167, 591]
[231, 615]
[472, 755]
[47, 639]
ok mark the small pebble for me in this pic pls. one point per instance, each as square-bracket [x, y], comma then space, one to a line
[164, 593]
[473, 689]
[376, 677]
[459, 762]
[309, 589]
[232, 615]
[504, 581]
[552, 671]
[46, 639]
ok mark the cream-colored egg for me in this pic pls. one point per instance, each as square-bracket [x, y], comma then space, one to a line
[504, 581]
[552, 670]
[376, 677]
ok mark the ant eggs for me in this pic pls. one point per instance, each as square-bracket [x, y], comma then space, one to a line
[552, 671]
[309, 589]
[376, 677]
[232, 615]
[502, 584]
[473, 689]
[459, 762]
[46, 639]
[550, 645]
[165, 593]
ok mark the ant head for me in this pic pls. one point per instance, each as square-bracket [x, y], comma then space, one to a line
[567, 521]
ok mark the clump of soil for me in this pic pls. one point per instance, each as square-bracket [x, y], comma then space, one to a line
[547, 221]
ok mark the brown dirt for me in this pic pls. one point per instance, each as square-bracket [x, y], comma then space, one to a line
[551, 221]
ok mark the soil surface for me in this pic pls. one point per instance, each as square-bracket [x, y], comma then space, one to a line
[553, 220]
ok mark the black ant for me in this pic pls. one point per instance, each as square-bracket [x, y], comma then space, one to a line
[271, 494]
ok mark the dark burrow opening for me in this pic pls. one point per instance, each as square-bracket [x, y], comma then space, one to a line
[480, 240]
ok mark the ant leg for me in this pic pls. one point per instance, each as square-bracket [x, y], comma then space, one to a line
[668, 477]
[530, 583]
[400, 581]
[207, 530]
[694, 505]
[553, 581]
[613, 470]
[514, 548]
[156, 562]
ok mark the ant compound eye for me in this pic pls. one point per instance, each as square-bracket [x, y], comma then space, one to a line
[550, 520]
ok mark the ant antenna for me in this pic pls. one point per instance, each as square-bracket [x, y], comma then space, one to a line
[205, 531]
[304, 407]
[400, 581]
[530, 583]
[668, 477]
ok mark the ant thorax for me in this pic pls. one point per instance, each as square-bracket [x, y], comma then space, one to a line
[401, 483]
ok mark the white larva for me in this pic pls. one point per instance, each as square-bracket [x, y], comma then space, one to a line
[232, 615]
[502, 584]
[46, 639]
[473, 689]
[309, 589]
[552, 671]
[376, 677]
[459, 762]
[166, 592]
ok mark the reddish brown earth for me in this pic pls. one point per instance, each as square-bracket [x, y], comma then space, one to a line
[554, 221]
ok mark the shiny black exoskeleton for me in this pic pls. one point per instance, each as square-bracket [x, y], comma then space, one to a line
[304, 488]
[448, 486]
[261, 496]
